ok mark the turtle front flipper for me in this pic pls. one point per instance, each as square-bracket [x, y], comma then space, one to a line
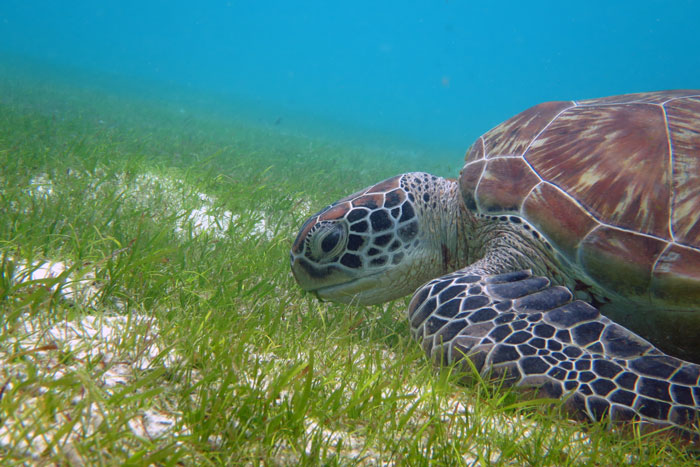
[519, 327]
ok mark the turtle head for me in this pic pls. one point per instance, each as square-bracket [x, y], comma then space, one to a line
[375, 245]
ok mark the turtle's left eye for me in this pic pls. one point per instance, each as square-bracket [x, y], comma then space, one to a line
[328, 241]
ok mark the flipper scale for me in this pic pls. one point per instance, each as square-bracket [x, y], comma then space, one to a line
[563, 348]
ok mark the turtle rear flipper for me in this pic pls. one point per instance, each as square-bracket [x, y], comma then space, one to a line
[518, 327]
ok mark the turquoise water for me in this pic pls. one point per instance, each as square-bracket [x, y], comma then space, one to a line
[431, 72]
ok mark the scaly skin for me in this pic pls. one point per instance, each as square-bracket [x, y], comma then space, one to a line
[490, 299]
[449, 237]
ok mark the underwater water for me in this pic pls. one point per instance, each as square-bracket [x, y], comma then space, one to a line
[437, 73]
[157, 159]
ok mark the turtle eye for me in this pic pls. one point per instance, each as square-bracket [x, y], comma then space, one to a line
[328, 241]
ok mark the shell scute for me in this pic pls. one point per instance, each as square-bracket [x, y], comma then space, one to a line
[621, 260]
[684, 129]
[504, 184]
[613, 183]
[565, 222]
[468, 181]
[676, 278]
[475, 151]
[655, 97]
[513, 136]
[621, 151]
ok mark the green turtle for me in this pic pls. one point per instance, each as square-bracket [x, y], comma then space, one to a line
[572, 231]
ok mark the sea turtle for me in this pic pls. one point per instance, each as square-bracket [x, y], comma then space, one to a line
[565, 211]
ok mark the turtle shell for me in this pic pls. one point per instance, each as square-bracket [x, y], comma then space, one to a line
[612, 183]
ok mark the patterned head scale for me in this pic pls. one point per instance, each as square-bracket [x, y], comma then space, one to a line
[341, 250]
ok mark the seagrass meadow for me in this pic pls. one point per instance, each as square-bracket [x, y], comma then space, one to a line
[148, 315]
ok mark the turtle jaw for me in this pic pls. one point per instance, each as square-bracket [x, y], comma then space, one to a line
[334, 284]
[361, 291]
[369, 288]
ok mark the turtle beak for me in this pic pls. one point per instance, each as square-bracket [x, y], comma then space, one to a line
[301, 272]
[311, 277]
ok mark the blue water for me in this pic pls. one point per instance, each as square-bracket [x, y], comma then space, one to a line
[437, 72]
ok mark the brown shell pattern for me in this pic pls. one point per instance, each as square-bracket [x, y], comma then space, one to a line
[614, 184]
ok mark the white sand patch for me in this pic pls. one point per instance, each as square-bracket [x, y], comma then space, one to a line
[79, 286]
[153, 424]
[88, 339]
[207, 218]
[41, 186]
[115, 349]
[344, 444]
[196, 213]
